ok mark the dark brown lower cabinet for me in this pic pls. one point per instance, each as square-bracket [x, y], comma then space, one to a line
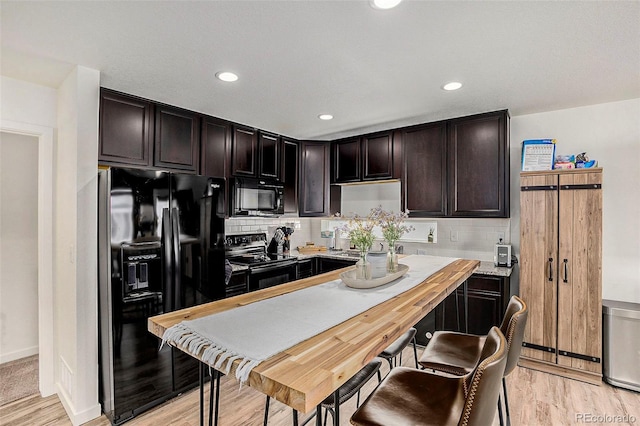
[488, 299]
[326, 264]
[306, 268]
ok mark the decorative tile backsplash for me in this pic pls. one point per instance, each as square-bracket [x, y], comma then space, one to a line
[468, 238]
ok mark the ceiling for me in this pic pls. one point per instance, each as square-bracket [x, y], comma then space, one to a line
[371, 69]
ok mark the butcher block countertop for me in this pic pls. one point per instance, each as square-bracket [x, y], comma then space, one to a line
[305, 374]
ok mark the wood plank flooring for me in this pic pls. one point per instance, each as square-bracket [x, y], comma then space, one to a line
[535, 398]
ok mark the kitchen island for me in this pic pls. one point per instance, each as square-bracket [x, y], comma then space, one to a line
[305, 374]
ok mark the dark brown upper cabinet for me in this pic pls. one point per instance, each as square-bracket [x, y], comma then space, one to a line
[290, 161]
[126, 129]
[377, 156]
[215, 147]
[346, 160]
[177, 139]
[478, 165]
[424, 179]
[270, 163]
[365, 158]
[314, 179]
[244, 152]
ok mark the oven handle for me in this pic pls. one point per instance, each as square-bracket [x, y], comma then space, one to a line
[269, 268]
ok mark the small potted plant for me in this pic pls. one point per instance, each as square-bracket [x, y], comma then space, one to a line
[393, 228]
[360, 232]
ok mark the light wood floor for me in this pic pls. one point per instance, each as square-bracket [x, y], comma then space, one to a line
[535, 398]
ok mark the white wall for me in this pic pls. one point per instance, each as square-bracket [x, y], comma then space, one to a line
[609, 133]
[28, 103]
[76, 243]
[18, 246]
[30, 109]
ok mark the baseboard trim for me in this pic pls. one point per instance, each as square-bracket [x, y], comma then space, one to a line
[81, 417]
[22, 353]
[583, 376]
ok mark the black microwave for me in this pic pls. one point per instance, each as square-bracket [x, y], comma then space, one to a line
[257, 197]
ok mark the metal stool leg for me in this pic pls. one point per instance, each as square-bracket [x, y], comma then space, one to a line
[266, 410]
[415, 351]
[295, 417]
[211, 391]
[201, 382]
[506, 401]
[500, 411]
[457, 311]
[215, 386]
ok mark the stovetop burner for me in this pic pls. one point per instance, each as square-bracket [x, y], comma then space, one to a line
[251, 249]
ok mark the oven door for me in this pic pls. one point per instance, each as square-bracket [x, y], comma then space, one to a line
[269, 275]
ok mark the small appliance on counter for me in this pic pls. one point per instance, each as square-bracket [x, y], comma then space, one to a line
[502, 254]
[280, 242]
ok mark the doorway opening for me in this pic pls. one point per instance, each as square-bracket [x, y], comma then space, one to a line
[26, 246]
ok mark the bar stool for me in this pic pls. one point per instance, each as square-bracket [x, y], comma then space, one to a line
[457, 353]
[394, 350]
[344, 393]
[413, 397]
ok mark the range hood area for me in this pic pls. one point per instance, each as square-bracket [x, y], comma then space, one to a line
[361, 197]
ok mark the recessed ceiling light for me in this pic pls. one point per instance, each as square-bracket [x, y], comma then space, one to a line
[384, 4]
[325, 116]
[226, 76]
[454, 85]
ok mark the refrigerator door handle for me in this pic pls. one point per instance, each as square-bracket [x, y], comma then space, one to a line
[167, 262]
[177, 273]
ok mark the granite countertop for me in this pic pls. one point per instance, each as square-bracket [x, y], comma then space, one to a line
[488, 268]
[485, 268]
[326, 254]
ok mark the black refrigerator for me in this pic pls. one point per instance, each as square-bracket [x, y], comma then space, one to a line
[161, 248]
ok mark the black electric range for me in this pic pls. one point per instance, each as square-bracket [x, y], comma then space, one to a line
[265, 270]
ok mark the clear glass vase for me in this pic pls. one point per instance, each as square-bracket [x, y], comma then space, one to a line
[363, 267]
[392, 259]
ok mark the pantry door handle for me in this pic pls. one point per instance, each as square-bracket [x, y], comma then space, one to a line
[550, 269]
[565, 271]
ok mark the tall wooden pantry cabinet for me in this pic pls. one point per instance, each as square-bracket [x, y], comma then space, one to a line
[561, 271]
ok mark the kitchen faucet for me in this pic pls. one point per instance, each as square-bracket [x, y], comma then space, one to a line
[381, 247]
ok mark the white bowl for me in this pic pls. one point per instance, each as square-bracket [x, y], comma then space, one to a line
[349, 278]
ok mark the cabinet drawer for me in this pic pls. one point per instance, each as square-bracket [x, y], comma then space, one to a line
[484, 283]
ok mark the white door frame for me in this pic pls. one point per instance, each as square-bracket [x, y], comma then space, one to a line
[46, 304]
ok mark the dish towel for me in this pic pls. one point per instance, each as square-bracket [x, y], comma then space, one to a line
[255, 332]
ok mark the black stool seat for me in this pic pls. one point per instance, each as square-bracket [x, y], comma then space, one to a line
[394, 349]
[353, 385]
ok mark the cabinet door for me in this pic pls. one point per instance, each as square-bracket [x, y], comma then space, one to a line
[177, 139]
[326, 265]
[538, 263]
[244, 152]
[486, 305]
[314, 179]
[346, 160]
[479, 166]
[377, 157]
[424, 161]
[580, 281]
[270, 162]
[290, 176]
[215, 147]
[126, 129]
